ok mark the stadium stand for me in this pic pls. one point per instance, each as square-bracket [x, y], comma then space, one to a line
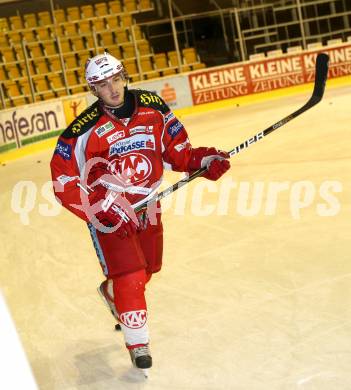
[52, 48]
[101, 9]
[44, 18]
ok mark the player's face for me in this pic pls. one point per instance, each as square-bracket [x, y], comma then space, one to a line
[111, 90]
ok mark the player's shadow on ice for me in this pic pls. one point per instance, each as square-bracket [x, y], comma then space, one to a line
[107, 366]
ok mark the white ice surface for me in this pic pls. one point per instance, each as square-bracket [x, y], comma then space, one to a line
[258, 302]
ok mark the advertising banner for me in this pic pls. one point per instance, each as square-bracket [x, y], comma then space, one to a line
[339, 63]
[175, 91]
[219, 83]
[275, 73]
[73, 106]
[26, 124]
[266, 75]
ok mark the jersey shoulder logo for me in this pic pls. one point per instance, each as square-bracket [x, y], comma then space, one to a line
[175, 128]
[63, 149]
[151, 100]
[84, 122]
[168, 117]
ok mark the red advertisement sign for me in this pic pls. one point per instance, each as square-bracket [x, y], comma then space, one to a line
[275, 73]
[267, 75]
[218, 84]
[339, 62]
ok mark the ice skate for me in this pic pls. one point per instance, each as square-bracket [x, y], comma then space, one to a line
[106, 294]
[141, 358]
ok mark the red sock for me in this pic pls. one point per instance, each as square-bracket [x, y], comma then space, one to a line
[128, 291]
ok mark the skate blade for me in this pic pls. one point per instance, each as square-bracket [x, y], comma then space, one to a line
[144, 372]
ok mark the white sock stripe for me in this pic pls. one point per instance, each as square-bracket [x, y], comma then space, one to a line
[134, 327]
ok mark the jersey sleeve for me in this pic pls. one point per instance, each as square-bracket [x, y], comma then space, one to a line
[176, 145]
[68, 161]
[65, 175]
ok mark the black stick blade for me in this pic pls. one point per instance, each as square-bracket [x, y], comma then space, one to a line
[321, 76]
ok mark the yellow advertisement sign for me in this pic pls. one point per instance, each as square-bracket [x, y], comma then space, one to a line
[73, 107]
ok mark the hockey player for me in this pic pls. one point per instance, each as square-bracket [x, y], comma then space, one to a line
[108, 160]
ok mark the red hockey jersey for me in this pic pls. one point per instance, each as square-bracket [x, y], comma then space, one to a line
[152, 139]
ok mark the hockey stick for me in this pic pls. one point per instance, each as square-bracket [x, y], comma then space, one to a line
[317, 95]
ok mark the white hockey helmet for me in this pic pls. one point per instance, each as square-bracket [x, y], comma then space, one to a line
[102, 67]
